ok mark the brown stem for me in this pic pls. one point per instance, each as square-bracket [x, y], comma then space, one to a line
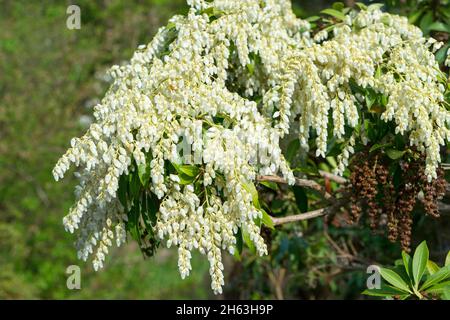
[299, 182]
[299, 217]
[333, 177]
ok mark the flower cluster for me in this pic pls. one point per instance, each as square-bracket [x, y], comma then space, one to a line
[376, 50]
[228, 80]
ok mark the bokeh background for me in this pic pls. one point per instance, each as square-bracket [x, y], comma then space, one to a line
[50, 78]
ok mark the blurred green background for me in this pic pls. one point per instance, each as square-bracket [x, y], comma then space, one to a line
[50, 78]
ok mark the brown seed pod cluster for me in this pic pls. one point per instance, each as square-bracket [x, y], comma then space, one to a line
[380, 189]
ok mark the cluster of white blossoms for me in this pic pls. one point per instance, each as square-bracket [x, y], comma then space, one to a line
[376, 50]
[230, 79]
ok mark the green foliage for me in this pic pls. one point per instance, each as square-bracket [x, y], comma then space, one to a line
[416, 277]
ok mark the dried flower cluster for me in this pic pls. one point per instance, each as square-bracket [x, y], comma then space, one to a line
[372, 188]
[228, 80]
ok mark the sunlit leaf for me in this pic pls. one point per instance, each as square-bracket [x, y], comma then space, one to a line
[419, 263]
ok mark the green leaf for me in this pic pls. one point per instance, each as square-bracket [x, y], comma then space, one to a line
[426, 21]
[395, 154]
[146, 215]
[211, 11]
[432, 267]
[447, 259]
[446, 293]
[134, 186]
[251, 68]
[394, 279]
[270, 185]
[439, 26]
[378, 72]
[440, 287]
[441, 275]
[384, 291]
[332, 162]
[334, 13]
[441, 55]
[152, 207]
[267, 220]
[186, 169]
[171, 25]
[419, 263]
[132, 224]
[384, 100]
[338, 6]
[312, 19]
[407, 263]
[414, 17]
[144, 173]
[375, 6]
[185, 180]
[186, 173]
[378, 146]
[371, 97]
[247, 240]
[250, 187]
[361, 5]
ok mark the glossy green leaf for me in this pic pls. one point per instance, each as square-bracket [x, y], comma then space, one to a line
[432, 267]
[426, 21]
[312, 18]
[394, 279]
[419, 262]
[186, 169]
[441, 275]
[361, 5]
[370, 99]
[270, 185]
[134, 186]
[378, 146]
[267, 220]
[378, 72]
[447, 259]
[338, 6]
[250, 187]
[145, 210]
[441, 55]
[414, 17]
[439, 26]
[144, 173]
[132, 225]
[248, 242]
[186, 173]
[407, 263]
[334, 13]
[384, 291]
[394, 154]
[251, 68]
[439, 288]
